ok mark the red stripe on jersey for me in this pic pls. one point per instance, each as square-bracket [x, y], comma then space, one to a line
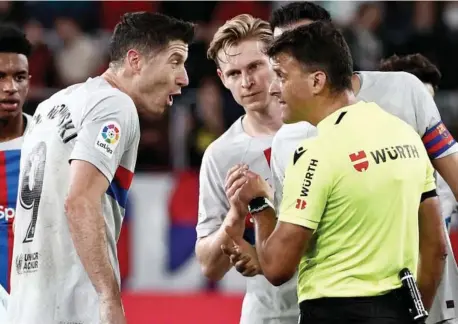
[249, 221]
[124, 177]
[3, 183]
[267, 154]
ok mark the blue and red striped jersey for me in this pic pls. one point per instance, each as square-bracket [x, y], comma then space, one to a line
[10, 158]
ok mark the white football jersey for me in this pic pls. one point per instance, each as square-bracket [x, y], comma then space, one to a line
[93, 122]
[403, 95]
[263, 302]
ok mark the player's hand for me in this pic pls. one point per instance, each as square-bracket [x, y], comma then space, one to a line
[235, 179]
[111, 311]
[242, 255]
[255, 186]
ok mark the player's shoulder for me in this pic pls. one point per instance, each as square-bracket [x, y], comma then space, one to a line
[294, 131]
[101, 95]
[228, 143]
[389, 79]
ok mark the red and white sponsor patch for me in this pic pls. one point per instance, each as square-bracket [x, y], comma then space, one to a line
[360, 161]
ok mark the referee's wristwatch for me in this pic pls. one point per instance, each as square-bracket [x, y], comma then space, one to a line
[259, 204]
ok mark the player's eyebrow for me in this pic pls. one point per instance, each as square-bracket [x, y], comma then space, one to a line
[231, 71]
[17, 72]
[177, 56]
[278, 70]
[257, 62]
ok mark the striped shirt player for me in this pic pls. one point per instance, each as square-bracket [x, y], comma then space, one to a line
[263, 303]
[10, 156]
[93, 122]
[404, 96]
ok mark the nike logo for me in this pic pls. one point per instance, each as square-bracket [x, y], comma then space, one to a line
[298, 153]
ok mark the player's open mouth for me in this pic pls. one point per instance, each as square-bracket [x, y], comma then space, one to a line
[170, 100]
[170, 97]
[9, 105]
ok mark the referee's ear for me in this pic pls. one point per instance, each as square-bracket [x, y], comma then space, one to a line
[317, 82]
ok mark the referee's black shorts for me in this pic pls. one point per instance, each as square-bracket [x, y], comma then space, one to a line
[385, 309]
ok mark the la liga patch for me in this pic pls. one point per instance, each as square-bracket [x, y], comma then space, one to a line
[108, 138]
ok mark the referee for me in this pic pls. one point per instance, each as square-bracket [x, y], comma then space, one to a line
[356, 198]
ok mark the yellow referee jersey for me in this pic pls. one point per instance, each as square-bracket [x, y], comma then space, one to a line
[358, 185]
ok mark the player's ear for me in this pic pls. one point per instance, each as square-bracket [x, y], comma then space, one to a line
[133, 60]
[317, 82]
[221, 77]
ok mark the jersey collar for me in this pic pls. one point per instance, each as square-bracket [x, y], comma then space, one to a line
[331, 120]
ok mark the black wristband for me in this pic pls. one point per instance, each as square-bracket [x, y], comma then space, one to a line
[259, 204]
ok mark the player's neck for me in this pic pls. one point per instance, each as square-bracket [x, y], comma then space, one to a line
[11, 128]
[329, 105]
[112, 78]
[264, 123]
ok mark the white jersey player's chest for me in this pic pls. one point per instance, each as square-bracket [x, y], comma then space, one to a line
[256, 155]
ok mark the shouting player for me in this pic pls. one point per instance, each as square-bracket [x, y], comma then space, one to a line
[14, 85]
[237, 48]
[402, 95]
[78, 160]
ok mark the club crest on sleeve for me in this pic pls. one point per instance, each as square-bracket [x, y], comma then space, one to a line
[108, 138]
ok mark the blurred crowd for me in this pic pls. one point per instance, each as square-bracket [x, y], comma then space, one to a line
[70, 44]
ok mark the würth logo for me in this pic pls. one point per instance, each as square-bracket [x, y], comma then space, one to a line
[301, 204]
[360, 161]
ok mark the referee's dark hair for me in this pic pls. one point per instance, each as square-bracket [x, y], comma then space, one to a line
[296, 11]
[13, 40]
[147, 32]
[318, 46]
[415, 64]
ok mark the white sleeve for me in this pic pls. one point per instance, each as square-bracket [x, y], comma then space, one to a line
[278, 174]
[213, 203]
[437, 139]
[105, 133]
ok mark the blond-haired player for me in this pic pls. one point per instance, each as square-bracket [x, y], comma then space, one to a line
[238, 51]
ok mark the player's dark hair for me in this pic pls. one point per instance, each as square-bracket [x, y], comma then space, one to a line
[318, 46]
[415, 64]
[13, 40]
[146, 32]
[297, 11]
